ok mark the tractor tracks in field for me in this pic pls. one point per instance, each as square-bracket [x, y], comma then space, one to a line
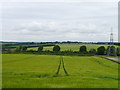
[61, 63]
[100, 63]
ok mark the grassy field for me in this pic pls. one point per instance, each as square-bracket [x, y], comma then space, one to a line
[37, 71]
[74, 47]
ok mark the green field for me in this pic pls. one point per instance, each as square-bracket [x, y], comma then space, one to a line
[73, 47]
[37, 71]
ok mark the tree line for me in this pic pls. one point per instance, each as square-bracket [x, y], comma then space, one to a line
[57, 51]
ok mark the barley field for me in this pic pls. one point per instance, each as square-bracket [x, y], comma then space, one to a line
[38, 71]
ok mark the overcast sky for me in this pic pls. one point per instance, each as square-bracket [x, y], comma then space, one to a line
[59, 21]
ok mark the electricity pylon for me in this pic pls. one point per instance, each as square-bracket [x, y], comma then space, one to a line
[111, 49]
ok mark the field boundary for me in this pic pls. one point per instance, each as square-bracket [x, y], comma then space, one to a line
[112, 59]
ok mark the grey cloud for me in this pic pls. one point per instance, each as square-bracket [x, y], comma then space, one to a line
[61, 21]
[58, 26]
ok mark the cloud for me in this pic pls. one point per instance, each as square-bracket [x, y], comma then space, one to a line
[56, 30]
[89, 21]
[55, 27]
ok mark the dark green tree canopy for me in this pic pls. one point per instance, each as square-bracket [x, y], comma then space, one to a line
[111, 50]
[118, 51]
[83, 49]
[40, 48]
[93, 51]
[21, 49]
[24, 48]
[101, 50]
[56, 48]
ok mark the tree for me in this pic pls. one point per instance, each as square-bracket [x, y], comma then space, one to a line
[83, 49]
[93, 51]
[111, 50]
[24, 48]
[9, 51]
[107, 50]
[56, 48]
[118, 51]
[40, 48]
[19, 49]
[101, 50]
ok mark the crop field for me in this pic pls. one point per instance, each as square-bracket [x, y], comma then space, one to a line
[73, 47]
[38, 71]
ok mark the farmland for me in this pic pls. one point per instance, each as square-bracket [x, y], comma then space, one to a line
[37, 71]
[73, 47]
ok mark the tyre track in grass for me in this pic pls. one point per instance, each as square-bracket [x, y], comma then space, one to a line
[105, 77]
[94, 59]
[65, 71]
[63, 66]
